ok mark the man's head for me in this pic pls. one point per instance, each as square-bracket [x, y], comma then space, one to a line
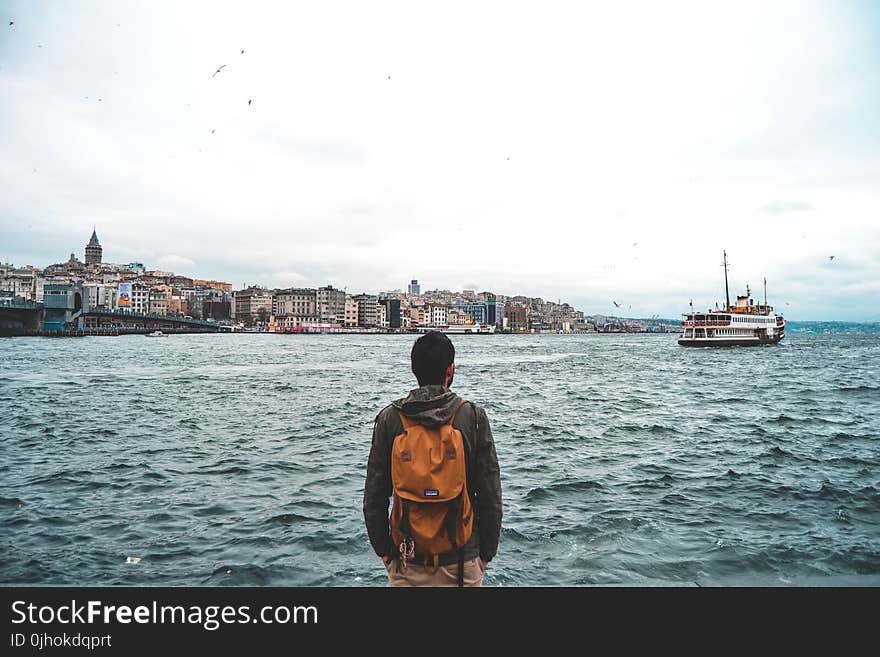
[433, 359]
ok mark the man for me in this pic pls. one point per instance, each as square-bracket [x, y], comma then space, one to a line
[433, 410]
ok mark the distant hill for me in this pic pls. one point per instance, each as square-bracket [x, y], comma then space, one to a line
[833, 327]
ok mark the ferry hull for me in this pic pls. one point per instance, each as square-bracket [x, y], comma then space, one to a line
[728, 342]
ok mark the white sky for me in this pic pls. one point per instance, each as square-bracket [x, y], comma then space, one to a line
[686, 128]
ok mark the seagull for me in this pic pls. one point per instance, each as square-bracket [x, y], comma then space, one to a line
[242, 51]
[635, 243]
[250, 101]
[831, 257]
[212, 131]
[218, 70]
[616, 305]
[11, 22]
[389, 77]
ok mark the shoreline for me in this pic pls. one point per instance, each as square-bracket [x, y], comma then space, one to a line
[118, 333]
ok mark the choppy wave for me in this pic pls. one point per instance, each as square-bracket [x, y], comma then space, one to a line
[239, 459]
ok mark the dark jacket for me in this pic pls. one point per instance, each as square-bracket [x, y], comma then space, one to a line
[432, 406]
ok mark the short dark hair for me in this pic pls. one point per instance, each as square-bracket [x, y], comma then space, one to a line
[431, 355]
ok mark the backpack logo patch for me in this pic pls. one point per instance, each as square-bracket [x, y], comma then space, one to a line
[431, 492]
[405, 456]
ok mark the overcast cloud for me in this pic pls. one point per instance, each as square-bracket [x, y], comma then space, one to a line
[575, 151]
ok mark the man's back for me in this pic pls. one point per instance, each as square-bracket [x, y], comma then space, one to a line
[433, 406]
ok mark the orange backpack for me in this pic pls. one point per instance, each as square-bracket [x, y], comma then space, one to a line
[431, 513]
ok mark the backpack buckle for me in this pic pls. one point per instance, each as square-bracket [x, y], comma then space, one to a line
[407, 550]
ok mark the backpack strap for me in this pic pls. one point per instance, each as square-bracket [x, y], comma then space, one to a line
[463, 402]
[407, 422]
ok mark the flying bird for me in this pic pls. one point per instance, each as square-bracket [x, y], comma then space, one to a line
[212, 131]
[635, 243]
[11, 22]
[242, 51]
[831, 257]
[218, 70]
[616, 305]
[250, 101]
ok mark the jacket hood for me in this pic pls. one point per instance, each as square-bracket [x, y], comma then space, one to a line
[430, 406]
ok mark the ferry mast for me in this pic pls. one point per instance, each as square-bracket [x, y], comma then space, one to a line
[726, 289]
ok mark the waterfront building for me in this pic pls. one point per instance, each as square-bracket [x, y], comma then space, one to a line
[295, 306]
[381, 315]
[331, 305]
[198, 297]
[215, 308]
[414, 289]
[437, 315]
[351, 311]
[94, 252]
[175, 304]
[101, 295]
[367, 304]
[458, 317]
[517, 317]
[137, 268]
[392, 309]
[140, 298]
[252, 304]
[39, 287]
[418, 316]
[479, 311]
[20, 283]
[160, 296]
[188, 299]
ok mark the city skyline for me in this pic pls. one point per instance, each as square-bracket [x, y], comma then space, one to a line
[93, 251]
[567, 167]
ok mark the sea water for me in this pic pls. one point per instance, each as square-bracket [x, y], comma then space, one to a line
[236, 459]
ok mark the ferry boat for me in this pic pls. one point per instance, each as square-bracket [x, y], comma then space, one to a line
[462, 329]
[743, 324]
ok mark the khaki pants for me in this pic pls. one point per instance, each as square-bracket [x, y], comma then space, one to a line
[418, 575]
